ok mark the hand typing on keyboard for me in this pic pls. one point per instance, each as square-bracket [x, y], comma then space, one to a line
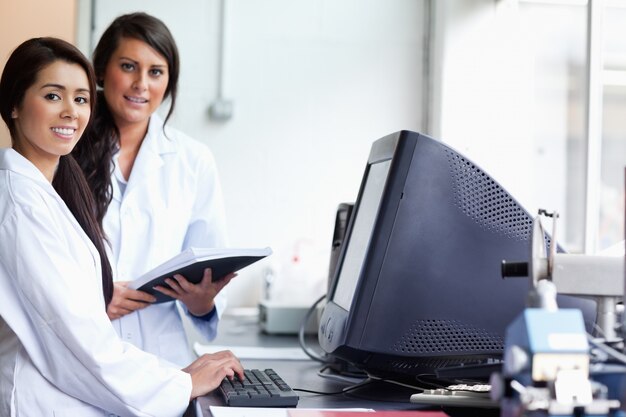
[258, 389]
[210, 369]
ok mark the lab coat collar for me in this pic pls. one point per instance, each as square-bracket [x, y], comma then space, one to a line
[155, 140]
[150, 157]
[12, 160]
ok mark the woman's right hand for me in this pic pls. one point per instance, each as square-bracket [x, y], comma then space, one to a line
[209, 370]
[126, 301]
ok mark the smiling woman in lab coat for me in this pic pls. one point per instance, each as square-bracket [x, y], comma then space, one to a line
[59, 353]
[157, 190]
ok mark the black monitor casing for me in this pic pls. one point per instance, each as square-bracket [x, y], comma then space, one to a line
[430, 293]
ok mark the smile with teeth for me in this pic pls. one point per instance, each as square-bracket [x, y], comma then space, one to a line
[65, 131]
[136, 99]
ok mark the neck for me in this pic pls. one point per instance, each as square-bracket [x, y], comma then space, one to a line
[47, 166]
[132, 135]
[131, 138]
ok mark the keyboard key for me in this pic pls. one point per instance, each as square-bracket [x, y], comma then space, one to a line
[258, 389]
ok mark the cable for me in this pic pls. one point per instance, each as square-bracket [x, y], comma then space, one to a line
[310, 353]
[341, 375]
[607, 349]
[343, 391]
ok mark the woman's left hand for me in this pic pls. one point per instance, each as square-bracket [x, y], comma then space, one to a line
[199, 298]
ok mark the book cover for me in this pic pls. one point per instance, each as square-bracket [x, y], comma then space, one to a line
[191, 264]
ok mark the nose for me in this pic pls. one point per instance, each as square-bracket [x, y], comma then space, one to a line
[69, 110]
[140, 82]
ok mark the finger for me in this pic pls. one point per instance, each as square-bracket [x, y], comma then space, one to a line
[207, 358]
[238, 368]
[207, 278]
[117, 312]
[174, 285]
[219, 285]
[132, 305]
[222, 354]
[138, 295]
[230, 361]
[183, 283]
[167, 291]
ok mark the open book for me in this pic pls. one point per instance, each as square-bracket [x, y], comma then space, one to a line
[191, 264]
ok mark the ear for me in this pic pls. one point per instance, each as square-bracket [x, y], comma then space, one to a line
[13, 114]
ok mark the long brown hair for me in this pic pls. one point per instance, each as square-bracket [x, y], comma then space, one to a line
[20, 72]
[95, 154]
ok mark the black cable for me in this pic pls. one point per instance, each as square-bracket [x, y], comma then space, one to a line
[343, 391]
[342, 374]
[310, 353]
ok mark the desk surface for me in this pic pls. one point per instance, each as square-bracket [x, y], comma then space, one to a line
[302, 374]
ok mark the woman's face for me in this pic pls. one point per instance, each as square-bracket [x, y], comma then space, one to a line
[53, 114]
[135, 80]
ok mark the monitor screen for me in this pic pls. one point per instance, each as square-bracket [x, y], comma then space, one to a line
[361, 234]
[417, 286]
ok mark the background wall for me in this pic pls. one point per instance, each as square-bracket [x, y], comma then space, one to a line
[313, 83]
[508, 92]
[21, 20]
[484, 93]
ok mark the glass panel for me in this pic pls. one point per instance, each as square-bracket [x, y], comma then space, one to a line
[613, 127]
[556, 39]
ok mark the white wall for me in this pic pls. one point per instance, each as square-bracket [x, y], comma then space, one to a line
[485, 91]
[502, 88]
[314, 83]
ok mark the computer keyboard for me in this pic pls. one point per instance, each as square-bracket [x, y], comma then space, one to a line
[258, 389]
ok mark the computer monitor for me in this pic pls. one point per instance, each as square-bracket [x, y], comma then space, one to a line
[418, 285]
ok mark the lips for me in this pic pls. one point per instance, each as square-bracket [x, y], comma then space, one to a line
[64, 131]
[138, 100]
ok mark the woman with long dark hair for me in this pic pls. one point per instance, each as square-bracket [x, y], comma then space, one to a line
[157, 190]
[59, 353]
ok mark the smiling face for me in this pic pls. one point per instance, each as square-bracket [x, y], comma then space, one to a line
[134, 81]
[52, 115]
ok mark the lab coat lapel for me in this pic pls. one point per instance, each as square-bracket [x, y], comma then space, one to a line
[149, 160]
[13, 161]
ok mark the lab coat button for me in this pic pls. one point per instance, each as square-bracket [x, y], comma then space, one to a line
[129, 336]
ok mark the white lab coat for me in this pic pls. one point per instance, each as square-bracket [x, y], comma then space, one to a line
[59, 353]
[172, 201]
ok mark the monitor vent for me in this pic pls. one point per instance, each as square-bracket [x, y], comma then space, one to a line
[482, 199]
[427, 365]
[447, 337]
[408, 366]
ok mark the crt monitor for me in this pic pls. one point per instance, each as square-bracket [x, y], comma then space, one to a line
[418, 284]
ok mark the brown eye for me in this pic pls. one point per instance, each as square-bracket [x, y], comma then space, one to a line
[52, 97]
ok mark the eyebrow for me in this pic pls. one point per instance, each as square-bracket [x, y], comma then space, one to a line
[62, 87]
[136, 62]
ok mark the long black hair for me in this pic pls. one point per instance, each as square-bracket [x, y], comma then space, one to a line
[20, 73]
[95, 153]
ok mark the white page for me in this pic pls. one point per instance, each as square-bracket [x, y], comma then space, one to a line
[218, 411]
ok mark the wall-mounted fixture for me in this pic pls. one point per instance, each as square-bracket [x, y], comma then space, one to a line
[221, 109]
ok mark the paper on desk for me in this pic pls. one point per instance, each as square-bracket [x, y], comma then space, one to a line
[251, 352]
[217, 411]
